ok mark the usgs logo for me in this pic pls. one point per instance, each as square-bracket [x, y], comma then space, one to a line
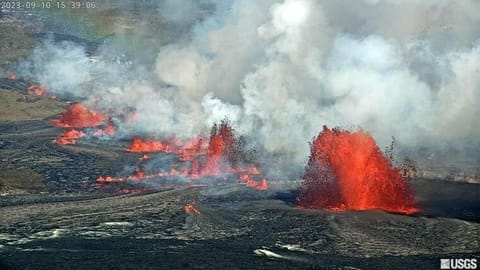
[458, 263]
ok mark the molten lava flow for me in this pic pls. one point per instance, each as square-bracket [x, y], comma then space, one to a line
[190, 208]
[108, 179]
[37, 90]
[148, 145]
[186, 149]
[79, 116]
[346, 170]
[263, 185]
[70, 137]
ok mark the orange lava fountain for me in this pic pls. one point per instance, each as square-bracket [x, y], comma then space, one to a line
[348, 171]
[79, 116]
[222, 151]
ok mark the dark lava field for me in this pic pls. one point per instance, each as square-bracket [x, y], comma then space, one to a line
[56, 214]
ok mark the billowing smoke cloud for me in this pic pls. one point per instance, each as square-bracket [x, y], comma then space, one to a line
[300, 64]
[282, 69]
[50, 61]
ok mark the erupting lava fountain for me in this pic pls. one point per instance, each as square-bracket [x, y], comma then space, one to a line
[348, 171]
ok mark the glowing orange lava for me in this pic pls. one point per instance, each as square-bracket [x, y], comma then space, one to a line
[250, 182]
[222, 156]
[70, 137]
[139, 175]
[187, 149]
[347, 171]
[79, 116]
[37, 90]
[109, 130]
[148, 145]
[222, 150]
[190, 208]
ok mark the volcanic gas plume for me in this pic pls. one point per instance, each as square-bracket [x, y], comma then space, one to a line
[297, 65]
[347, 171]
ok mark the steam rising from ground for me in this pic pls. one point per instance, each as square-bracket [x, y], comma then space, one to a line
[280, 70]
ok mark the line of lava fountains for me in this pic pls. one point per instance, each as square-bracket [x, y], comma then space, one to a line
[222, 155]
[348, 171]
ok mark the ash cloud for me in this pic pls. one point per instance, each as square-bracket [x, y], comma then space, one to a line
[282, 69]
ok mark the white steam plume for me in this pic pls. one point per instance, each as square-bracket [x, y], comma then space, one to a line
[282, 69]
